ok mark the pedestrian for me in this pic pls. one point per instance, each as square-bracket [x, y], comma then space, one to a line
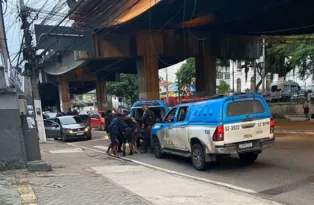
[114, 132]
[130, 133]
[148, 119]
[306, 105]
[117, 113]
[108, 120]
[125, 132]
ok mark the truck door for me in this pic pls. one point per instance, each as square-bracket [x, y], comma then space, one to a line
[167, 139]
[177, 133]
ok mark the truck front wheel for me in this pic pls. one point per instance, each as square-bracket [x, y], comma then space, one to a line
[198, 157]
[248, 158]
[157, 148]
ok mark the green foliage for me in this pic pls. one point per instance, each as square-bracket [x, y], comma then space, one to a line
[186, 73]
[125, 88]
[223, 87]
[296, 51]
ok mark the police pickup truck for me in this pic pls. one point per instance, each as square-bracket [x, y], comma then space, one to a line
[240, 124]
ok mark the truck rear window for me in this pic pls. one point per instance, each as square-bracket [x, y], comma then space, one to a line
[245, 108]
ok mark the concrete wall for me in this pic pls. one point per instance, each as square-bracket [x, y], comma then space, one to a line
[289, 109]
[12, 147]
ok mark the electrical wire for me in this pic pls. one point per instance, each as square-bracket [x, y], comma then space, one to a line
[96, 33]
[192, 16]
[151, 36]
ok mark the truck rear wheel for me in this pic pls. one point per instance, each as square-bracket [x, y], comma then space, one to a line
[198, 157]
[248, 158]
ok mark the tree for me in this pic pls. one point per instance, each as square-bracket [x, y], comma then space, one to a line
[296, 51]
[125, 88]
[185, 74]
[223, 87]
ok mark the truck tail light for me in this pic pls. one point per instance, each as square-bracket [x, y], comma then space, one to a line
[272, 125]
[219, 133]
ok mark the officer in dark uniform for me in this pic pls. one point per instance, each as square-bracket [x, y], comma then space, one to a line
[148, 120]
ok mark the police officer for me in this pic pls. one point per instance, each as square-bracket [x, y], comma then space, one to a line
[148, 120]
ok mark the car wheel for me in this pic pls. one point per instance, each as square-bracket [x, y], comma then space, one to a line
[102, 127]
[157, 148]
[90, 137]
[248, 158]
[56, 138]
[198, 157]
[64, 137]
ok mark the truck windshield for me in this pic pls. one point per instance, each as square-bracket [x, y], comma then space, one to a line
[245, 108]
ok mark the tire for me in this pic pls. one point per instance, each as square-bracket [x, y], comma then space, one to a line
[90, 137]
[248, 158]
[64, 137]
[198, 157]
[157, 148]
[56, 138]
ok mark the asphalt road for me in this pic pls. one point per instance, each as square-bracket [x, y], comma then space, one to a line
[284, 173]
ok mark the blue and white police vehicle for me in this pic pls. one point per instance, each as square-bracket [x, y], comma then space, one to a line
[240, 124]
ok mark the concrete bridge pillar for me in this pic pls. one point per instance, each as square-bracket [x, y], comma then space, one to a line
[147, 67]
[64, 93]
[205, 65]
[101, 94]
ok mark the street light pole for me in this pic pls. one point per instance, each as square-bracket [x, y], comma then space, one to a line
[167, 90]
[264, 65]
[32, 67]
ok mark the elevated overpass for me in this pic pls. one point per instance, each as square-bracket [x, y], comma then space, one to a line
[142, 36]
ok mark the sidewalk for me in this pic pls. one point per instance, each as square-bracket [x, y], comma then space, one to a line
[84, 177]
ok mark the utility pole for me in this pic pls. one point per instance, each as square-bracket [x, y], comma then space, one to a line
[232, 70]
[254, 88]
[263, 65]
[167, 95]
[31, 70]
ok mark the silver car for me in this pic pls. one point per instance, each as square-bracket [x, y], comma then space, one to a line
[66, 128]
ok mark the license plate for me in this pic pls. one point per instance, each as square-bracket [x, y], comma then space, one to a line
[246, 145]
[80, 133]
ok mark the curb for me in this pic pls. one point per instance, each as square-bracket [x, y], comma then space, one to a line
[309, 132]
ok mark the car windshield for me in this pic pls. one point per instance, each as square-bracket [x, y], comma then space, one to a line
[70, 120]
[51, 115]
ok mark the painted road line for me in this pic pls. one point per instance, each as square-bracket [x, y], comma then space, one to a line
[27, 194]
[62, 151]
[104, 147]
[230, 186]
[101, 147]
[100, 139]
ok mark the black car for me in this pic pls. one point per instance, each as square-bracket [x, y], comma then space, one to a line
[66, 128]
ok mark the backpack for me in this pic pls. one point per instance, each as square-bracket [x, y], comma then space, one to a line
[151, 118]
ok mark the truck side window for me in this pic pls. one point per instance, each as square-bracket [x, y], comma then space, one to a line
[170, 116]
[182, 114]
